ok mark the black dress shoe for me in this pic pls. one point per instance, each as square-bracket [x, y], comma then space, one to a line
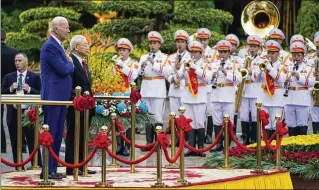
[91, 172]
[202, 154]
[62, 175]
[52, 175]
[189, 153]
[71, 172]
[126, 152]
[217, 148]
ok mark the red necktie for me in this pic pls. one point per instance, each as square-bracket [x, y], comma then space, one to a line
[84, 68]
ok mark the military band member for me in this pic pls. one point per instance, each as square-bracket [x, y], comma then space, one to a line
[316, 35]
[154, 69]
[128, 69]
[226, 76]
[299, 99]
[177, 86]
[272, 79]
[251, 91]
[234, 41]
[277, 35]
[203, 36]
[194, 98]
[315, 110]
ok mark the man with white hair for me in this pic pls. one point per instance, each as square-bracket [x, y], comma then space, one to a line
[80, 77]
[56, 70]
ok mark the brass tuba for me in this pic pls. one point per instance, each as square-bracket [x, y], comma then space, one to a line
[259, 17]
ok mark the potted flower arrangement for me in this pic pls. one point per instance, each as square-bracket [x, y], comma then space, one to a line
[300, 154]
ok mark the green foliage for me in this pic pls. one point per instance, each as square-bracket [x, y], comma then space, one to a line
[48, 13]
[189, 5]
[10, 22]
[24, 42]
[202, 17]
[168, 36]
[308, 19]
[41, 27]
[215, 160]
[137, 8]
[124, 27]
[311, 171]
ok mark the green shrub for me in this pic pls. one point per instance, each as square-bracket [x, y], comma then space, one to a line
[308, 19]
[24, 42]
[10, 22]
[48, 13]
[124, 27]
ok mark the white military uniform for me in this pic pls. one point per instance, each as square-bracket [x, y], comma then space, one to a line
[196, 105]
[223, 97]
[128, 68]
[174, 93]
[153, 88]
[299, 98]
[272, 104]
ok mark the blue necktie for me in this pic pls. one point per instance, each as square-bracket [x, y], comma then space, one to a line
[20, 81]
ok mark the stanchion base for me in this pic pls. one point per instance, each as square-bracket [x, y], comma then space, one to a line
[258, 171]
[103, 184]
[46, 183]
[159, 184]
[20, 169]
[113, 165]
[183, 182]
[35, 168]
[172, 166]
[133, 169]
[225, 168]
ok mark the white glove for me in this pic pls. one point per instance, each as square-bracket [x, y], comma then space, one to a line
[119, 63]
[268, 66]
[194, 66]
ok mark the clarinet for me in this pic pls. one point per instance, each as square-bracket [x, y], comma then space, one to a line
[144, 65]
[214, 80]
[287, 81]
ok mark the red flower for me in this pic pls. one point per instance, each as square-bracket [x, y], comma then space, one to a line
[32, 114]
[135, 96]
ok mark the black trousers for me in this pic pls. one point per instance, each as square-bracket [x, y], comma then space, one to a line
[28, 134]
[69, 144]
[3, 135]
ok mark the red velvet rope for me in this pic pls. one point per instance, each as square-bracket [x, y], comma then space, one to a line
[128, 161]
[72, 165]
[20, 163]
[207, 148]
[180, 148]
[136, 145]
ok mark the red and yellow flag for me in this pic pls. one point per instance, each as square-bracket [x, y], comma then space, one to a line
[126, 84]
[269, 87]
[193, 83]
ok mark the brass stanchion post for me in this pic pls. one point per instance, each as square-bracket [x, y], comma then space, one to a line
[86, 137]
[19, 137]
[226, 142]
[159, 182]
[76, 137]
[278, 151]
[258, 168]
[182, 180]
[103, 182]
[173, 136]
[133, 117]
[114, 164]
[36, 137]
[46, 182]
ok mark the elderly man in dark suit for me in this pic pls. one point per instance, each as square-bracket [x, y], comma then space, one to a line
[56, 70]
[7, 66]
[80, 77]
[28, 83]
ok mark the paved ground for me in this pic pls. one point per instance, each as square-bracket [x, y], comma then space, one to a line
[140, 138]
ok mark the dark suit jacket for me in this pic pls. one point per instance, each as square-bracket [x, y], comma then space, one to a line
[55, 72]
[7, 60]
[79, 78]
[32, 79]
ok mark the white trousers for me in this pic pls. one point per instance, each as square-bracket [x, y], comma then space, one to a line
[196, 112]
[315, 114]
[248, 105]
[297, 115]
[156, 106]
[272, 111]
[209, 109]
[219, 111]
[175, 103]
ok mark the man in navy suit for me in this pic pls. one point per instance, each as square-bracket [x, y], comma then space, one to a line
[56, 70]
[7, 66]
[29, 83]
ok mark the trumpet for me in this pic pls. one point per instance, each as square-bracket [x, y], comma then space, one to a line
[187, 63]
[263, 66]
[214, 79]
[115, 58]
[287, 81]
